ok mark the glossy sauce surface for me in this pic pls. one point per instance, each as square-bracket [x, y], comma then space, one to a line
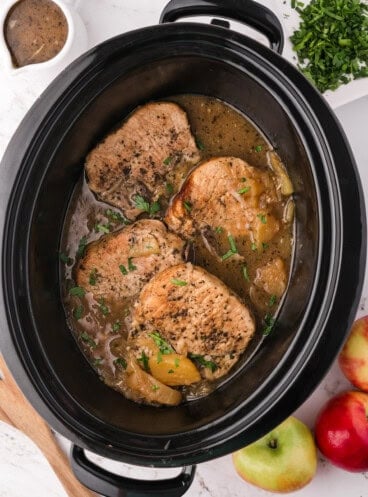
[102, 329]
[35, 31]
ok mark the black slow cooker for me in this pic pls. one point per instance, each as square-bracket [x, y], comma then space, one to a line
[47, 153]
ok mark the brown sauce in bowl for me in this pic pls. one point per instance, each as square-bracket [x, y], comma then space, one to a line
[102, 329]
[35, 31]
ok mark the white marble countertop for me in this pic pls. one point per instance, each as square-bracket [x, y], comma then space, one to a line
[23, 469]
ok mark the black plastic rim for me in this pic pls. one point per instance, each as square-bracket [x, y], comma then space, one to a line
[336, 293]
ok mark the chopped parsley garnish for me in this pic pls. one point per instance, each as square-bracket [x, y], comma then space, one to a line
[98, 361]
[159, 357]
[131, 266]
[154, 207]
[126, 312]
[82, 246]
[116, 216]
[162, 344]
[244, 190]
[144, 360]
[123, 269]
[169, 188]
[168, 160]
[199, 143]
[233, 250]
[253, 246]
[177, 282]
[78, 312]
[258, 148]
[232, 244]
[188, 205]
[228, 254]
[102, 228]
[245, 273]
[331, 41]
[120, 361]
[269, 324]
[219, 229]
[77, 291]
[272, 300]
[170, 371]
[177, 362]
[65, 259]
[243, 180]
[203, 362]
[88, 340]
[155, 388]
[103, 307]
[142, 204]
[116, 326]
[93, 277]
[265, 246]
[262, 218]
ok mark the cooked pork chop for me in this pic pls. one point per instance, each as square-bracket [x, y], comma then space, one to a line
[196, 313]
[137, 158]
[226, 192]
[119, 264]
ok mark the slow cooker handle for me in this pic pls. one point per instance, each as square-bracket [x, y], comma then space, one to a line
[108, 484]
[248, 12]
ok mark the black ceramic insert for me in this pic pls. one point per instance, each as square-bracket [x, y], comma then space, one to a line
[91, 96]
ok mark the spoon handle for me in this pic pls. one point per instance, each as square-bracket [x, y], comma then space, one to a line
[16, 411]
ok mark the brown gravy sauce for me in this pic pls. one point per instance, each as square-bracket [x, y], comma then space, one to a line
[35, 31]
[222, 131]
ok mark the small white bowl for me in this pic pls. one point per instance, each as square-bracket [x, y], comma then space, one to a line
[42, 73]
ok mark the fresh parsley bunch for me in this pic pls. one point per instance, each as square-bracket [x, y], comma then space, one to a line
[332, 41]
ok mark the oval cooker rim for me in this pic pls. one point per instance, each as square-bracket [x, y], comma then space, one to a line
[297, 376]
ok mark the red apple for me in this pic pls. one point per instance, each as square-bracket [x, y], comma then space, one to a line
[353, 358]
[342, 431]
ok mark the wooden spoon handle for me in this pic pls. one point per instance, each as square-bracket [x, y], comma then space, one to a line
[5, 418]
[16, 410]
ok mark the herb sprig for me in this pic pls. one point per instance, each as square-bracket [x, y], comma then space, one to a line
[245, 273]
[162, 344]
[82, 246]
[102, 228]
[120, 361]
[142, 204]
[103, 307]
[143, 359]
[177, 282]
[115, 216]
[269, 323]
[88, 340]
[65, 259]
[212, 366]
[77, 291]
[93, 277]
[233, 249]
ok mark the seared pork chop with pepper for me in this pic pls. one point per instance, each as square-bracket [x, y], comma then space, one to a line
[135, 161]
[118, 265]
[198, 315]
[226, 192]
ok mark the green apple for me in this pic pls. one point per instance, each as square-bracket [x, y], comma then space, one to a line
[284, 460]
